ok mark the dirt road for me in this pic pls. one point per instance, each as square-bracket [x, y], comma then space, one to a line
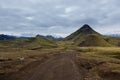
[59, 67]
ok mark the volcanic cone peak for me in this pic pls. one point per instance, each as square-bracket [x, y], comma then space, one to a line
[86, 29]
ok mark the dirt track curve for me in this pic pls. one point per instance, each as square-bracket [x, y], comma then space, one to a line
[59, 67]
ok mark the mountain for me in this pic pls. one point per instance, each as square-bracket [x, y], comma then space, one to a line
[7, 37]
[86, 36]
[50, 37]
[84, 30]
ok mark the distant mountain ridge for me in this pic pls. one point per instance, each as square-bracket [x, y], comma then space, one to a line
[7, 37]
[113, 35]
[10, 37]
[49, 37]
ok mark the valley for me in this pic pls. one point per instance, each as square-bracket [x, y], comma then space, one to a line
[83, 55]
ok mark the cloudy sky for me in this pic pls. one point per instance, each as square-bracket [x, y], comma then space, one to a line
[58, 17]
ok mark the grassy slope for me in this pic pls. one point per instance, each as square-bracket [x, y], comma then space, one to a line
[105, 61]
[94, 40]
[28, 43]
[113, 41]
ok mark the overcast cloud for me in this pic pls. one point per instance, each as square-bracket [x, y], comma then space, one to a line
[58, 17]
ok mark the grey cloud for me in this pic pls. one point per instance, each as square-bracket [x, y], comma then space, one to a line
[37, 16]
